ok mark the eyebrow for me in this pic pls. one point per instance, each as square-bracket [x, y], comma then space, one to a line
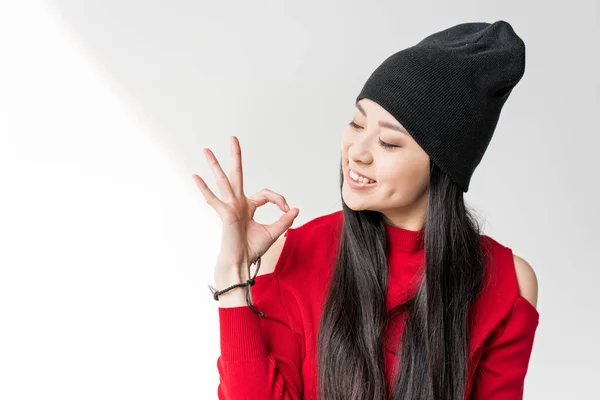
[384, 124]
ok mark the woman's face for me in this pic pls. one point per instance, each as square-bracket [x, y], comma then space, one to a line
[400, 172]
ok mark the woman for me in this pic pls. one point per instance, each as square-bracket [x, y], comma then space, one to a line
[398, 295]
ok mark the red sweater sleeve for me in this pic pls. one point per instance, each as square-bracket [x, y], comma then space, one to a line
[261, 357]
[500, 374]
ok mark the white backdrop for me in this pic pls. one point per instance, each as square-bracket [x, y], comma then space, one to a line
[107, 246]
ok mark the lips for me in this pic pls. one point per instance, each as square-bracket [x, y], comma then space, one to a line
[361, 174]
[358, 185]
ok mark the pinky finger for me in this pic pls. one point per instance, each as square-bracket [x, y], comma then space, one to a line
[209, 196]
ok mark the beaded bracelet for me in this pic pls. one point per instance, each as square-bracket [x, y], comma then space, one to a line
[249, 282]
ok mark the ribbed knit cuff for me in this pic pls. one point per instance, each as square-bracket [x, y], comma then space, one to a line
[241, 334]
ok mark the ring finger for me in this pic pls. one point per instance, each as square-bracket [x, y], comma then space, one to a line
[222, 180]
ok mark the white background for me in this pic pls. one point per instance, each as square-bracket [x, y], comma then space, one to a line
[107, 246]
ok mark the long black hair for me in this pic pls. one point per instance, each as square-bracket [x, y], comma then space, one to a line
[433, 351]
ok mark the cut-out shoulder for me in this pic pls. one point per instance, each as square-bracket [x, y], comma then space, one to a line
[527, 280]
[268, 261]
[520, 300]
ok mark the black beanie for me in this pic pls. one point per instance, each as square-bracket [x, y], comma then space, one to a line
[448, 91]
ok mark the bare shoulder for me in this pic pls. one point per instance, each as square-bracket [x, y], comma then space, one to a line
[268, 261]
[527, 279]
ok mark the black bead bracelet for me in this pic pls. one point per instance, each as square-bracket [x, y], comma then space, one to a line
[247, 284]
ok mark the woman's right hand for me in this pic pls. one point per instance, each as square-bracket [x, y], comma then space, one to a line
[243, 239]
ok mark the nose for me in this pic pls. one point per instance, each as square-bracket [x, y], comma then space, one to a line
[359, 150]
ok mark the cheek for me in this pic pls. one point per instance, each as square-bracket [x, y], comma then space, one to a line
[405, 176]
[345, 146]
[345, 140]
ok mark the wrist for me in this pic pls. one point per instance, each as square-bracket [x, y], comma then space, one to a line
[231, 274]
[233, 297]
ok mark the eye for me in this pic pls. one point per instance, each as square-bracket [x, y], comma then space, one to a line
[354, 125]
[384, 144]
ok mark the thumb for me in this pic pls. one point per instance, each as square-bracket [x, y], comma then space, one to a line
[283, 223]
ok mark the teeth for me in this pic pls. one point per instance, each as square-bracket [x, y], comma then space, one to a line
[360, 178]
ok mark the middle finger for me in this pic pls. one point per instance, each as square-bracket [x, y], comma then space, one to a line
[235, 173]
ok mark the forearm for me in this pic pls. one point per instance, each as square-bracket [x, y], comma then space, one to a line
[260, 358]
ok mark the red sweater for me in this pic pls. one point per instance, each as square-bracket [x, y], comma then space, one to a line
[274, 357]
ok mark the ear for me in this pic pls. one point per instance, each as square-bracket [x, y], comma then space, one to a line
[528, 284]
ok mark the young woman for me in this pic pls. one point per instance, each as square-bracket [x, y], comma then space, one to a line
[398, 295]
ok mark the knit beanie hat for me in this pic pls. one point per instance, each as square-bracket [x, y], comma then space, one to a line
[448, 91]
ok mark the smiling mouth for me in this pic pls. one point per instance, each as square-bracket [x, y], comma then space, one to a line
[359, 178]
[357, 184]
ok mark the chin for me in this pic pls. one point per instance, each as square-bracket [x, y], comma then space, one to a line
[354, 201]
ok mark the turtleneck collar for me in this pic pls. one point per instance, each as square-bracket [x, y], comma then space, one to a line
[405, 238]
